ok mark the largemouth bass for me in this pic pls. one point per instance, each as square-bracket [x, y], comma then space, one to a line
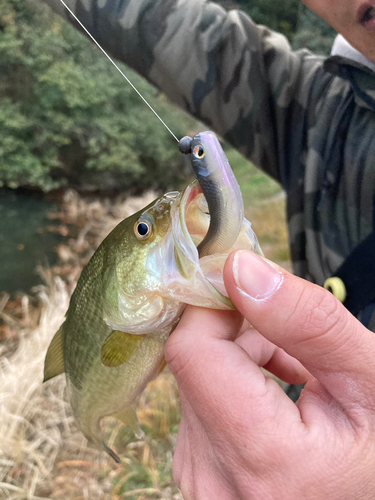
[130, 296]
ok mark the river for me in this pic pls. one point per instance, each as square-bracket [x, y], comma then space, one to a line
[25, 241]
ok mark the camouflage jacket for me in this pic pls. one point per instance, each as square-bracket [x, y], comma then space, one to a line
[307, 121]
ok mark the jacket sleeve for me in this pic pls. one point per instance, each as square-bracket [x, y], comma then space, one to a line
[241, 79]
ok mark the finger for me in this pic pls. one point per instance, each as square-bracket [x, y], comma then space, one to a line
[272, 358]
[201, 343]
[217, 375]
[202, 472]
[305, 320]
[287, 368]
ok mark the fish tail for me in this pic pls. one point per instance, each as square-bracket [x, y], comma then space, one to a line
[111, 453]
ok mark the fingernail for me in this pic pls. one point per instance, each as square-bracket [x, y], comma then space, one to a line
[254, 276]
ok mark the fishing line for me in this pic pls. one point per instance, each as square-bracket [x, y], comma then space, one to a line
[118, 69]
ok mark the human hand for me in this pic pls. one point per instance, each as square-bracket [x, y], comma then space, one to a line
[240, 436]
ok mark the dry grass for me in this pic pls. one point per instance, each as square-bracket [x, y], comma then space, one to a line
[35, 419]
[43, 454]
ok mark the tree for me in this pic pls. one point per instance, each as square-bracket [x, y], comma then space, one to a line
[281, 16]
[300, 25]
[313, 33]
[67, 115]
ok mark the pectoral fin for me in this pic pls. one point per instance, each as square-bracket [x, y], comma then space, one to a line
[119, 347]
[129, 418]
[54, 362]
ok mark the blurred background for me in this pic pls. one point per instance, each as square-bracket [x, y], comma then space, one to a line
[79, 152]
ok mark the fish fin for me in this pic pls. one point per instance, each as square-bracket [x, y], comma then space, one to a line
[111, 453]
[119, 347]
[128, 416]
[54, 361]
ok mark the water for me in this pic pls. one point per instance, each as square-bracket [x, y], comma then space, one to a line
[24, 241]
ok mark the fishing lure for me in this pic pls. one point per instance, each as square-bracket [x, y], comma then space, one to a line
[220, 188]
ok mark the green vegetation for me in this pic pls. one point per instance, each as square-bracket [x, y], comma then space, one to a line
[313, 33]
[290, 17]
[67, 117]
[255, 185]
[264, 207]
[281, 16]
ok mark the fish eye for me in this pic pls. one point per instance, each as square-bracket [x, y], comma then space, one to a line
[142, 229]
[198, 152]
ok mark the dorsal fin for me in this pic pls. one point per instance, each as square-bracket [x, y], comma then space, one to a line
[54, 361]
[119, 347]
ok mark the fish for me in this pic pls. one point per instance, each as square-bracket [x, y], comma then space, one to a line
[132, 293]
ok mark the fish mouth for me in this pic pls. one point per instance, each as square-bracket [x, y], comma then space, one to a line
[195, 283]
[185, 276]
[366, 15]
[175, 274]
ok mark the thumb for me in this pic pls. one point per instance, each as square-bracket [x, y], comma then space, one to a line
[308, 322]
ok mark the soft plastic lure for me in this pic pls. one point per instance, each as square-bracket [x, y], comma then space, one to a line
[220, 188]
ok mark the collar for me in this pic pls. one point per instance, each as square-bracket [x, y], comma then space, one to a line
[341, 47]
[347, 63]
